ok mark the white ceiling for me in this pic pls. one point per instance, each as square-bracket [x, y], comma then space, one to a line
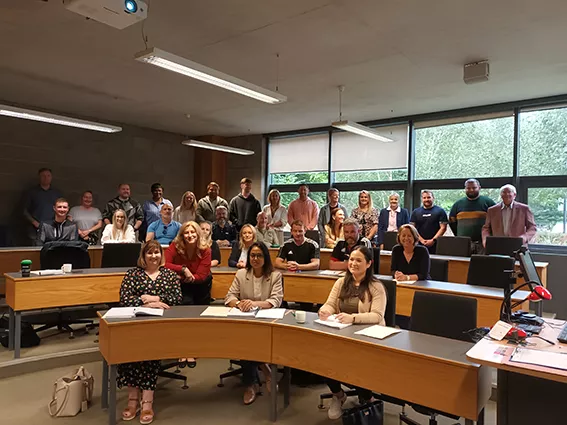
[394, 57]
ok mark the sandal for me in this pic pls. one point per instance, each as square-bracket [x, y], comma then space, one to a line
[182, 363]
[147, 415]
[131, 411]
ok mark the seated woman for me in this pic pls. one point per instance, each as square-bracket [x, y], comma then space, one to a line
[410, 261]
[239, 252]
[119, 231]
[187, 209]
[334, 229]
[258, 285]
[149, 285]
[356, 298]
[206, 227]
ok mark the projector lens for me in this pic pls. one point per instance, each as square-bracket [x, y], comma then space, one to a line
[131, 6]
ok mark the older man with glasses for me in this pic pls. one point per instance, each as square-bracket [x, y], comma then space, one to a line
[165, 229]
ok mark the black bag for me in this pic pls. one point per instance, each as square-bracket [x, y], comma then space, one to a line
[30, 338]
[368, 414]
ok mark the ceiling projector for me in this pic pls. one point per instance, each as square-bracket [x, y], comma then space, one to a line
[115, 13]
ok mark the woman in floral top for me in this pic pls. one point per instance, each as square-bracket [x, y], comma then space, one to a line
[366, 215]
[149, 285]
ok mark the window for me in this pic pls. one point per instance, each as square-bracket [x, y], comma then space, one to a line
[543, 142]
[549, 205]
[379, 199]
[480, 147]
[360, 159]
[319, 197]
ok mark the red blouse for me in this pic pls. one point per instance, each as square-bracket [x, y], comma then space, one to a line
[200, 266]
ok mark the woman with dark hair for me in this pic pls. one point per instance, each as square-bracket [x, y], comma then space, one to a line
[256, 286]
[149, 285]
[410, 261]
[356, 298]
[334, 229]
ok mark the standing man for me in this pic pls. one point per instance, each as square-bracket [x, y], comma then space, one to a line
[207, 205]
[244, 207]
[509, 218]
[152, 207]
[223, 232]
[468, 215]
[165, 229]
[325, 213]
[304, 209]
[133, 210]
[343, 248]
[265, 234]
[58, 228]
[429, 220]
[39, 203]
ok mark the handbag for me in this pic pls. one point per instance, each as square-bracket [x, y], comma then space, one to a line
[371, 413]
[71, 394]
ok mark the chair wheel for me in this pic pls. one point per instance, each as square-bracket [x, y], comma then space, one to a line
[321, 407]
[177, 370]
[185, 386]
[220, 385]
[71, 336]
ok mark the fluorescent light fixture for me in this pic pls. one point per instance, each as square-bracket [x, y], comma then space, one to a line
[195, 70]
[362, 130]
[28, 114]
[215, 147]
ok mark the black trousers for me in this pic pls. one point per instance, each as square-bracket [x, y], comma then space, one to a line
[336, 387]
[197, 293]
[249, 372]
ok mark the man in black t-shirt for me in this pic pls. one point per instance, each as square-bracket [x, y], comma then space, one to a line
[430, 221]
[299, 252]
[343, 248]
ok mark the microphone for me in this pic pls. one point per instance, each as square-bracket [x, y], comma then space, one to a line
[539, 293]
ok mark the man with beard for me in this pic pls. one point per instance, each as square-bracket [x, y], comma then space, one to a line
[429, 220]
[343, 248]
[468, 215]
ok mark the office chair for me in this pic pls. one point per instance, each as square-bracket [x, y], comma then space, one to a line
[120, 254]
[439, 269]
[447, 316]
[390, 240]
[314, 235]
[491, 270]
[176, 374]
[502, 245]
[455, 246]
[376, 257]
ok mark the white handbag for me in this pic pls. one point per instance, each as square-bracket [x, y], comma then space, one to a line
[71, 394]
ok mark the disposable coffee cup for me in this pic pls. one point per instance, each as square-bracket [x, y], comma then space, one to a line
[25, 267]
[300, 316]
[67, 268]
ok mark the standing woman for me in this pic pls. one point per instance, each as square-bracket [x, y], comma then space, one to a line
[277, 214]
[366, 215]
[410, 261]
[239, 253]
[149, 285]
[210, 243]
[256, 286]
[119, 231]
[187, 209]
[391, 218]
[356, 298]
[334, 229]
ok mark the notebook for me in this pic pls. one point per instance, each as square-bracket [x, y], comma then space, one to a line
[333, 322]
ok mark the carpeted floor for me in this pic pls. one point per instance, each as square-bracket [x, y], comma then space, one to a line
[24, 398]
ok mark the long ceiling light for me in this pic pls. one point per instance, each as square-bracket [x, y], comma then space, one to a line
[195, 70]
[215, 147]
[360, 129]
[28, 114]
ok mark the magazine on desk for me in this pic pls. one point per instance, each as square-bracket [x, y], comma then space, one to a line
[129, 312]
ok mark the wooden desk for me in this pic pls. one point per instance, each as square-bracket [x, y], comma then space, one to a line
[440, 375]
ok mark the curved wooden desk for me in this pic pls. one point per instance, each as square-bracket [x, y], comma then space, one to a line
[419, 368]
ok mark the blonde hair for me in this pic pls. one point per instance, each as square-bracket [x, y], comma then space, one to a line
[179, 240]
[207, 239]
[183, 204]
[370, 204]
[149, 247]
[246, 226]
[412, 230]
[115, 230]
[272, 192]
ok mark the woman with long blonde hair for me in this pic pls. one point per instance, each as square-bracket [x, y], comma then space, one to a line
[187, 209]
[119, 231]
[366, 215]
[277, 213]
[206, 229]
[239, 252]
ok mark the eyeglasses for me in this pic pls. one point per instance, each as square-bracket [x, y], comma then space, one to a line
[256, 256]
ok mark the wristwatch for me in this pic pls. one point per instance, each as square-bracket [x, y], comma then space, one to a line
[237, 302]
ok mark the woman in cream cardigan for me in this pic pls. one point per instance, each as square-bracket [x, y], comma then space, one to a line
[256, 286]
[356, 298]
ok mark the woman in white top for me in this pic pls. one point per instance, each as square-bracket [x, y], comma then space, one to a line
[119, 231]
[88, 218]
[187, 209]
[277, 214]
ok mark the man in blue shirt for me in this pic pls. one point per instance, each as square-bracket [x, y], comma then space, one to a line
[152, 207]
[430, 221]
[165, 229]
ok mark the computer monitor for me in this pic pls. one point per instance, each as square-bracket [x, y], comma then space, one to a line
[527, 266]
[503, 245]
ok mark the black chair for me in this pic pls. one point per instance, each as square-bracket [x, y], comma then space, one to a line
[491, 270]
[314, 235]
[455, 246]
[439, 269]
[120, 254]
[390, 240]
[376, 256]
[442, 315]
[502, 245]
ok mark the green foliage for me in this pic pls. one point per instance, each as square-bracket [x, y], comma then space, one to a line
[299, 178]
[371, 176]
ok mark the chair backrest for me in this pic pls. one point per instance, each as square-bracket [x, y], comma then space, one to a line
[449, 316]
[314, 234]
[491, 270]
[54, 254]
[376, 257]
[455, 246]
[439, 269]
[120, 254]
[390, 240]
[502, 245]
[391, 290]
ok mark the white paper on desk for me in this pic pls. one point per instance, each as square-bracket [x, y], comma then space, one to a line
[377, 331]
[147, 311]
[409, 282]
[488, 350]
[216, 311]
[271, 313]
[236, 312]
[47, 272]
[119, 313]
[333, 322]
[540, 358]
[332, 272]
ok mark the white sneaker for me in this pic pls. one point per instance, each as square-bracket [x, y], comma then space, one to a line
[336, 407]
